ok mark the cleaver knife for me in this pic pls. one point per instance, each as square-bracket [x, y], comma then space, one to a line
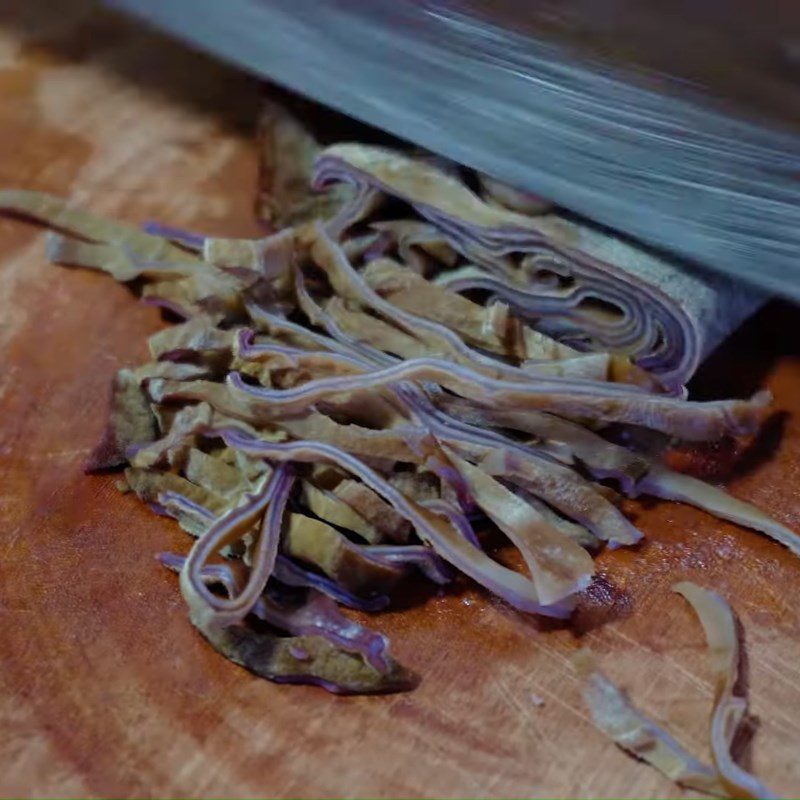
[677, 123]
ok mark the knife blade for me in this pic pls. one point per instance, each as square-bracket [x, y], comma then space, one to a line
[679, 165]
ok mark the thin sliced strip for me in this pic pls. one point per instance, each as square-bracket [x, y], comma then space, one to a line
[591, 366]
[120, 263]
[392, 444]
[179, 501]
[413, 293]
[197, 335]
[207, 292]
[320, 545]
[457, 518]
[288, 357]
[59, 214]
[273, 324]
[376, 332]
[242, 411]
[577, 532]
[227, 575]
[130, 422]
[149, 485]
[243, 253]
[614, 714]
[327, 506]
[270, 257]
[687, 420]
[599, 367]
[670, 485]
[719, 626]
[559, 567]
[421, 556]
[568, 492]
[213, 473]
[265, 431]
[217, 395]
[321, 318]
[172, 370]
[310, 660]
[174, 447]
[366, 407]
[114, 261]
[373, 508]
[318, 615]
[192, 516]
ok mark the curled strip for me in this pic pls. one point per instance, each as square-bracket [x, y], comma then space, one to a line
[206, 606]
[316, 615]
[719, 626]
[615, 715]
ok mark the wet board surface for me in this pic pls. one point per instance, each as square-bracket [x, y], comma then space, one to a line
[105, 688]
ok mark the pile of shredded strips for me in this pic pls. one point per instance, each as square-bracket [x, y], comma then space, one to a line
[344, 406]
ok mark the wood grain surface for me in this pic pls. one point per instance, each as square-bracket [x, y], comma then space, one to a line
[105, 688]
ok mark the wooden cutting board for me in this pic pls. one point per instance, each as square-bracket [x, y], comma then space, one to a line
[106, 690]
